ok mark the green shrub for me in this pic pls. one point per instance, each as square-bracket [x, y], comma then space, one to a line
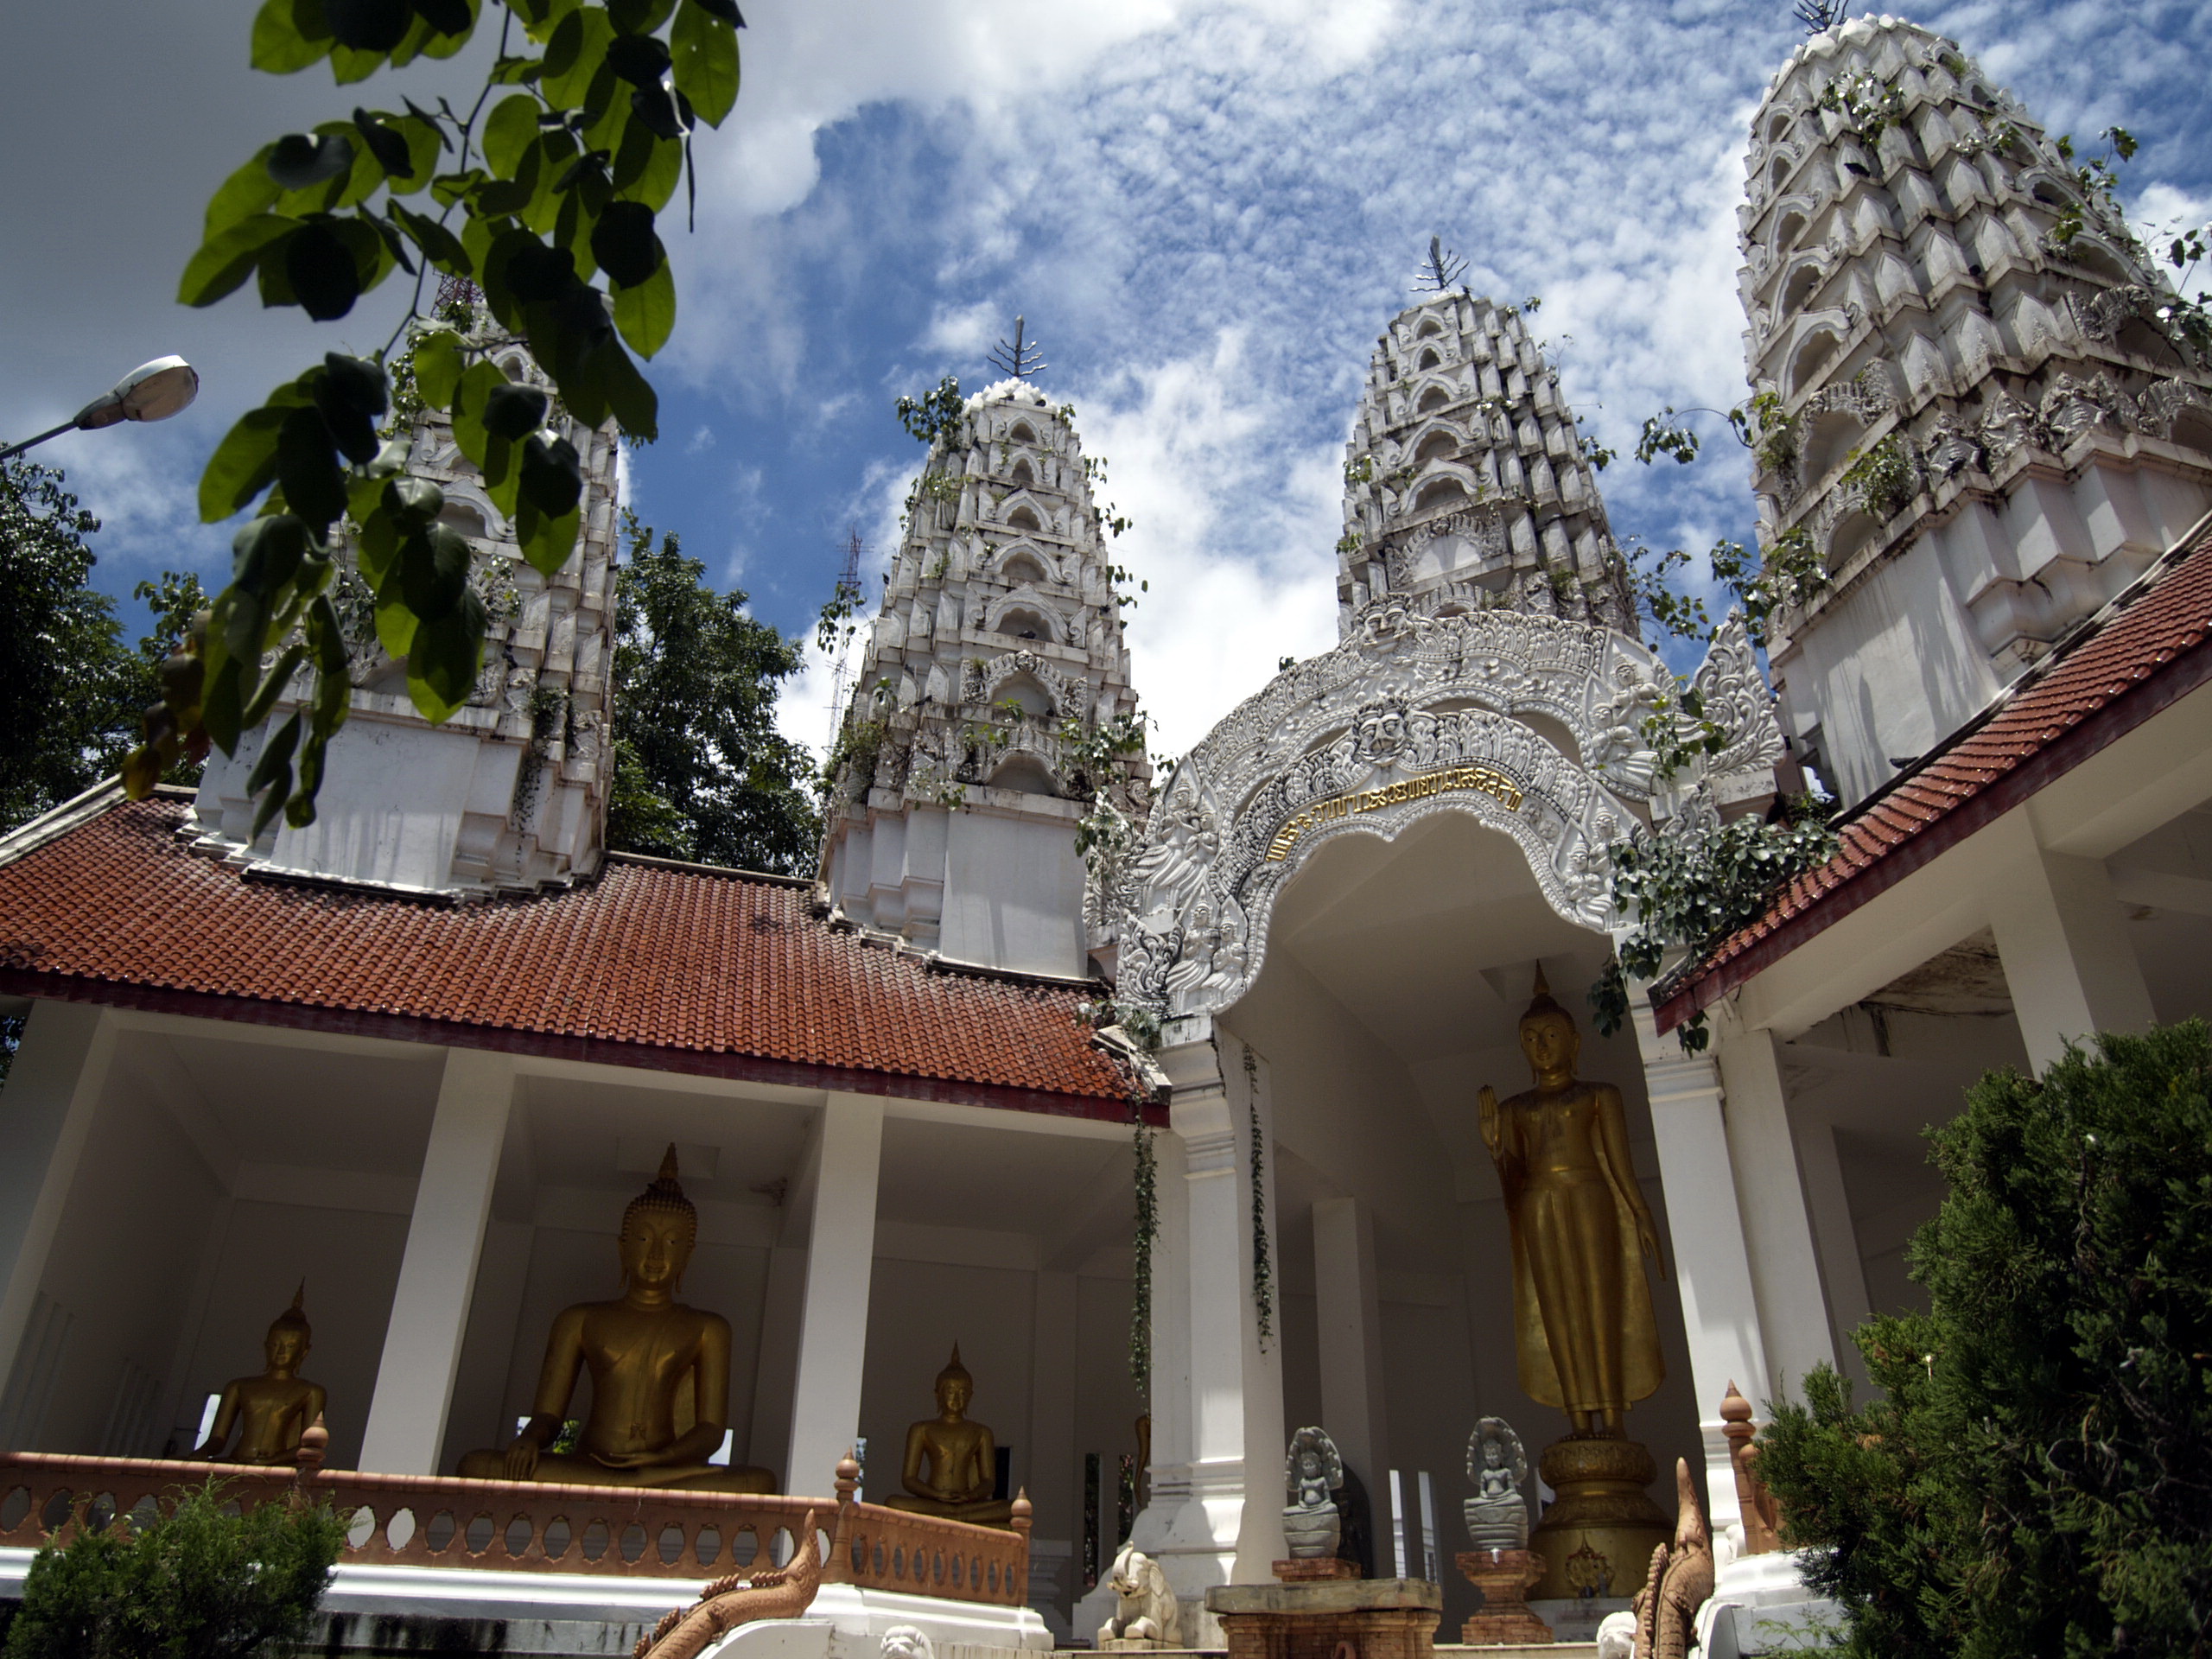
[2038, 1477]
[201, 1583]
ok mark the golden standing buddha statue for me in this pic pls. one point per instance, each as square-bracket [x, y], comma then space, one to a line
[1585, 1333]
[272, 1410]
[961, 1456]
[659, 1372]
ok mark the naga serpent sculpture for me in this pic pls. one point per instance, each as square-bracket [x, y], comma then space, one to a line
[1680, 1581]
[772, 1593]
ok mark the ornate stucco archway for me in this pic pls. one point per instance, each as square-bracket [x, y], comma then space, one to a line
[1534, 726]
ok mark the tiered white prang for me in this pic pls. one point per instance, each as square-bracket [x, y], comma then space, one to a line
[1466, 487]
[951, 823]
[1985, 432]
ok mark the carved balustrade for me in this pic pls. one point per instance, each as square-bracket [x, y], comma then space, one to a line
[540, 1527]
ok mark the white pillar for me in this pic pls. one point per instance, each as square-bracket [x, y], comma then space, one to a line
[1711, 1261]
[53, 1088]
[1216, 1515]
[1049, 1468]
[1350, 1324]
[2062, 938]
[1785, 1261]
[1842, 1269]
[833, 1318]
[437, 1273]
[768, 1441]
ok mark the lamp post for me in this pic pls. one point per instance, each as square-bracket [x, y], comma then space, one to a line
[152, 391]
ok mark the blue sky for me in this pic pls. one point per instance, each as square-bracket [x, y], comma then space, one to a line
[1206, 212]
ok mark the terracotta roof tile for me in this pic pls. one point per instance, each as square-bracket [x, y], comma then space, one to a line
[682, 968]
[2162, 624]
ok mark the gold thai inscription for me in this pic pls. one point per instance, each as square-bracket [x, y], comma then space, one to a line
[1488, 779]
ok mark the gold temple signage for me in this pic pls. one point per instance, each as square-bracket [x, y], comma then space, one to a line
[1488, 779]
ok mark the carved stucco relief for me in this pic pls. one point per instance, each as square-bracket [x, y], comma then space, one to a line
[1412, 716]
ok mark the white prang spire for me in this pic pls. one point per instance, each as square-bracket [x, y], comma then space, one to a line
[1466, 487]
[1983, 426]
[958, 775]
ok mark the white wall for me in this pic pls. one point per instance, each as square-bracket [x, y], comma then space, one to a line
[1013, 893]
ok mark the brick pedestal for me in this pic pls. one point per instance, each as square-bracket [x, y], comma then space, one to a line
[1314, 1569]
[1376, 1619]
[1504, 1577]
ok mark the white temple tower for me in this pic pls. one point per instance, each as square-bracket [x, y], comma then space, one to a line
[1987, 432]
[1466, 487]
[952, 822]
[509, 794]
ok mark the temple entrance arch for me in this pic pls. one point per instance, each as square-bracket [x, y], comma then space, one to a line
[1411, 717]
[1334, 916]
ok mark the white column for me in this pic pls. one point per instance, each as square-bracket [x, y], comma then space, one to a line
[1711, 1261]
[1350, 1326]
[53, 1088]
[1049, 1465]
[1777, 1226]
[768, 1440]
[833, 1319]
[437, 1272]
[1216, 1515]
[2062, 939]
[1842, 1269]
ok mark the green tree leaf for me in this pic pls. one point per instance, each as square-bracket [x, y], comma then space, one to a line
[704, 50]
[646, 313]
[510, 130]
[320, 270]
[438, 365]
[297, 161]
[575, 55]
[307, 467]
[227, 258]
[625, 245]
[444, 657]
[247, 192]
[289, 35]
[244, 464]
[369, 25]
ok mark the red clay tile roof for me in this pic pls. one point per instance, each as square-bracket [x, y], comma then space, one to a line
[2110, 677]
[675, 969]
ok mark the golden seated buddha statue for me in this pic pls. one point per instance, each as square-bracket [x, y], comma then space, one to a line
[649, 1357]
[270, 1411]
[961, 1456]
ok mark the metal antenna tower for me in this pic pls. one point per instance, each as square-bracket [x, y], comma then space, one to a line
[1443, 270]
[1019, 360]
[848, 593]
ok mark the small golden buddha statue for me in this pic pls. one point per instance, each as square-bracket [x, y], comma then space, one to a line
[963, 1459]
[1587, 1341]
[270, 1411]
[659, 1372]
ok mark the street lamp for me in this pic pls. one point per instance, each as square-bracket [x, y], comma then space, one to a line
[152, 391]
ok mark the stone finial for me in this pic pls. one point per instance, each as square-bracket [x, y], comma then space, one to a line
[848, 1476]
[1023, 1511]
[307, 1459]
[1762, 1516]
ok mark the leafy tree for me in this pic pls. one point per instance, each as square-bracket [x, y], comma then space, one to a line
[2038, 1478]
[700, 771]
[199, 1584]
[66, 685]
[70, 690]
[553, 176]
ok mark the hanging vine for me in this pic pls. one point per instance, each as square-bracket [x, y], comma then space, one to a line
[1147, 1229]
[1263, 1278]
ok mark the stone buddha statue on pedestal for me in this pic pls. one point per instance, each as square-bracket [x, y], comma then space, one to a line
[961, 1456]
[270, 1411]
[659, 1372]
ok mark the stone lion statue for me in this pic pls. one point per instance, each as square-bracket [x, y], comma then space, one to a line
[1145, 1609]
[907, 1642]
